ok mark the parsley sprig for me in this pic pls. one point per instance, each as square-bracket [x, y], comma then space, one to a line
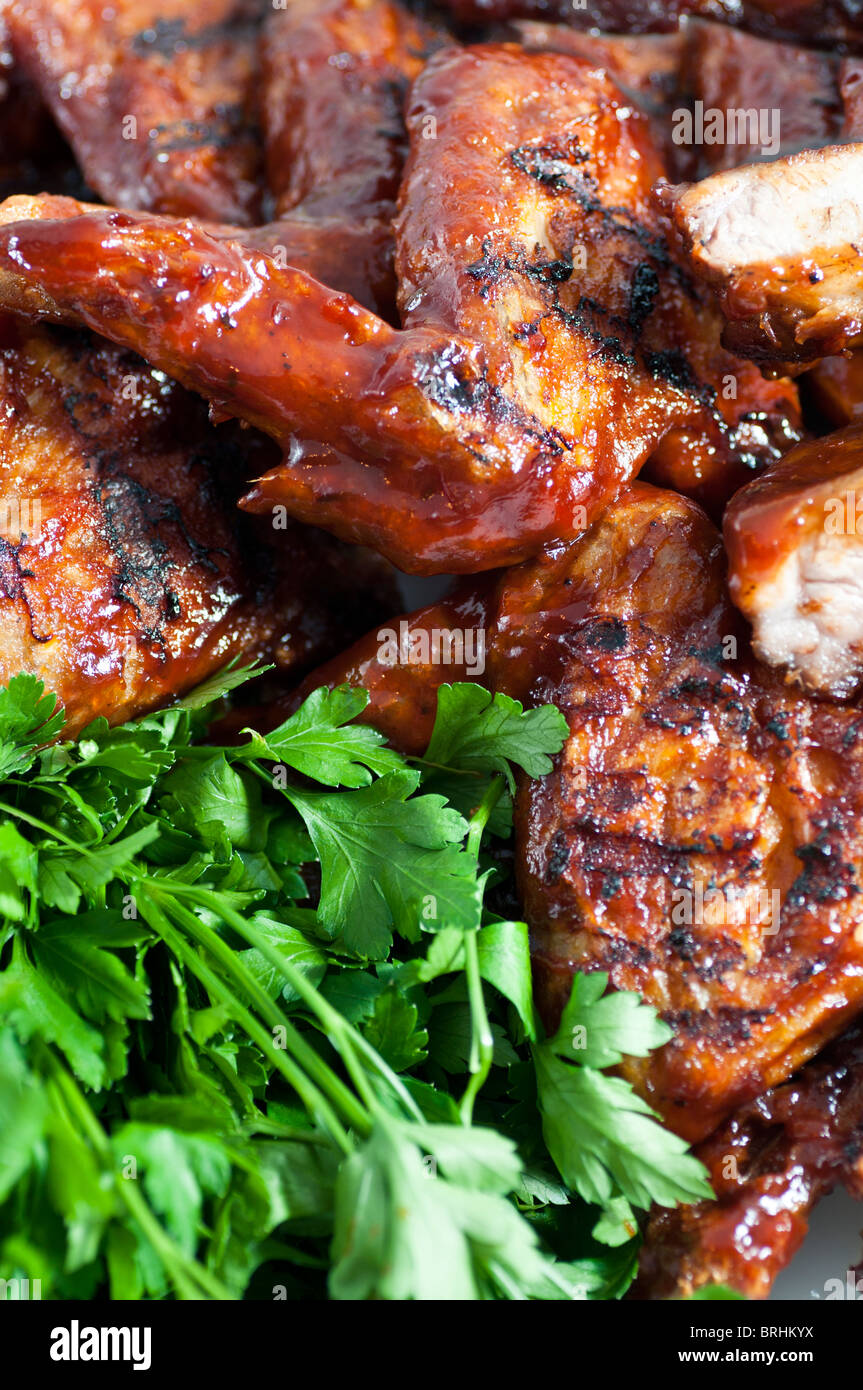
[263, 1034]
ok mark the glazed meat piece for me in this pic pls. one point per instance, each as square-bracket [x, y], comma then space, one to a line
[772, 98]
[331, 88]
[550, 340]
[156, 97]
[795, 548]
[646, 68]
[334, 130]
[334, 78]
[834, 386]
[769, 1165]
[126, 574]
[701, 836]
[782, 245]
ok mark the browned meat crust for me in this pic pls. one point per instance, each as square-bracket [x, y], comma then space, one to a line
[769, 1164]
[792, 92]
[126, 573]
[531, 381]
[156, 98]
[782, 244]
[820, 22]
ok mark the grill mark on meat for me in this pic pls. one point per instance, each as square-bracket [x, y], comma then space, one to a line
[12, 577]
[229, 122]
[167, 37]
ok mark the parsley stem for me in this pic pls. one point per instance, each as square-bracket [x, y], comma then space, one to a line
[482, 1039]
[310, 1075]
[480, 818]
[184, 1271]
[344, 1036]
[42, 825]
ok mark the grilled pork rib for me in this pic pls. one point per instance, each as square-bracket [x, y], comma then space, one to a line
[156, 97]
[126, 573]
[550, 341]
[796, 562]
[769, 1164]
[782, 245]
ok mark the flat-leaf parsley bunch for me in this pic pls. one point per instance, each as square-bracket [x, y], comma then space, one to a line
[262, 1034]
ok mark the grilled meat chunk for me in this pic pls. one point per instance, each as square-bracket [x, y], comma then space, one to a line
[126, 573]
[795, 547]
[834, 387]
[769, 1165]
[701, 836]
[774, 98]
[188, 80]
[550, 340]
[334, 77]
[334, 131]
[156, 97]
[646, 68]
[782, 244]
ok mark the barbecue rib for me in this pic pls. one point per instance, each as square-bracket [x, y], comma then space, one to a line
[693, 787]
[782, 244]
[794, 538]
[332, 85]
[730, 71]
[156, 97]
[126, 573]
[769, 1165]
[530, 381]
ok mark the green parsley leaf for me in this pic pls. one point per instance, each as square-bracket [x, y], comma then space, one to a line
[388, 861]
[475, 731]
[602, 1137]
[316, 742]
[393, 1031]
[597, 1029]
[28, 718]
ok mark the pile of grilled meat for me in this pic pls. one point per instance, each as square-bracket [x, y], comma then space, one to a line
[294, 293]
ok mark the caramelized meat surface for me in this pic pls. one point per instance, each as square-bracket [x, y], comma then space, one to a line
[156, 98]
[834, 387]
[782, 244]
[334, 78]
[700, 837]
[334, 131]
[817, 21]
[769, 1164]
[550, 341]
[796, 562]
[329, 90]
[126, 573]
[646, 67]
[774, 98]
